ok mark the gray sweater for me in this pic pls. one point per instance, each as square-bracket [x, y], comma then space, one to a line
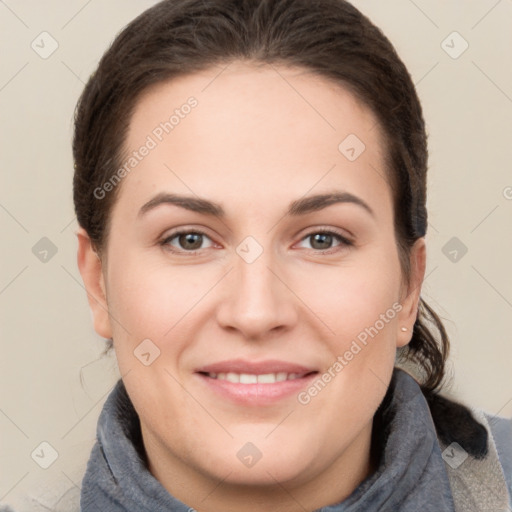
[441, 466]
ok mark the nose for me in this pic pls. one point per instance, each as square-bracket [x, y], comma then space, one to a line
[258, 301]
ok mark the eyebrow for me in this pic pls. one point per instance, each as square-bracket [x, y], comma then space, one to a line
[298, 207]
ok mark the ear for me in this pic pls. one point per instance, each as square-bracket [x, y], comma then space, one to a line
[411, 294]
[90, 266]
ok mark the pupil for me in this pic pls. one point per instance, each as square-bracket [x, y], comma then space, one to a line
[322, 238]
[190, 238]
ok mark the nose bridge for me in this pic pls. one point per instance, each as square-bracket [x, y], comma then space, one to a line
[256, 282]
[258, 300]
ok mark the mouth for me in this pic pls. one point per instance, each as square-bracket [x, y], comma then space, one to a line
[252, 378]
[255, 383]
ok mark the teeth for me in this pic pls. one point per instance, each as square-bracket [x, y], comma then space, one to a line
[232, 377]
[249, 378]
[267, 378]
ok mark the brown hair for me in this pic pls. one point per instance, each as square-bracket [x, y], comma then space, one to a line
[328, 37]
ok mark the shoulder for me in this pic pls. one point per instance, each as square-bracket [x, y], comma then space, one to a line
[481, 472]
[501, 430]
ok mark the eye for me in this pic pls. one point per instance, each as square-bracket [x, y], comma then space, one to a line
[323, 240]
[187, 241]
[191, 241]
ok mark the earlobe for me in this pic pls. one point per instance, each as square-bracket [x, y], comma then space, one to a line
[411, 299]
[90, 266]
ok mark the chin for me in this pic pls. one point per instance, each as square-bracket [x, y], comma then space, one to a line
[268, 473]
[260, 463]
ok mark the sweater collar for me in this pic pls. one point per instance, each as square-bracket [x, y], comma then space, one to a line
[411, 474]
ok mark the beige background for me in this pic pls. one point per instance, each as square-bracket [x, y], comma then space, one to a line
[53, 379]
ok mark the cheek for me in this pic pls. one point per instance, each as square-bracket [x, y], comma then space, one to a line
[157, 302]
[156, 308]
[361, 306]
[151, 298]
[359, 298]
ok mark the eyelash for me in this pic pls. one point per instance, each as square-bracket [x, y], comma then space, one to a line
[344, 241]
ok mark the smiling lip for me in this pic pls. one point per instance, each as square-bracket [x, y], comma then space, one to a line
[291, 379]
[256, 368]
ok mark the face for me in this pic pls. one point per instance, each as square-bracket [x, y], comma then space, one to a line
[252, 277]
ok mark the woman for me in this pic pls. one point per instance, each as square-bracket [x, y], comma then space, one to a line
[250, 182]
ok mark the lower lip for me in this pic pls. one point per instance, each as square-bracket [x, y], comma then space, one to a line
[257, 394]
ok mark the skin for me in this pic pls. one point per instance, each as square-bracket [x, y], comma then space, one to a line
[253, 144]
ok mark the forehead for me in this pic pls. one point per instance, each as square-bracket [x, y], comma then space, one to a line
[252, 129]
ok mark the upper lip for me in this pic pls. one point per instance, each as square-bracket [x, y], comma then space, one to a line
[255, 367]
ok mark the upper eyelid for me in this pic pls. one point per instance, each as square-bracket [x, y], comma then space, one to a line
[345, 240]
